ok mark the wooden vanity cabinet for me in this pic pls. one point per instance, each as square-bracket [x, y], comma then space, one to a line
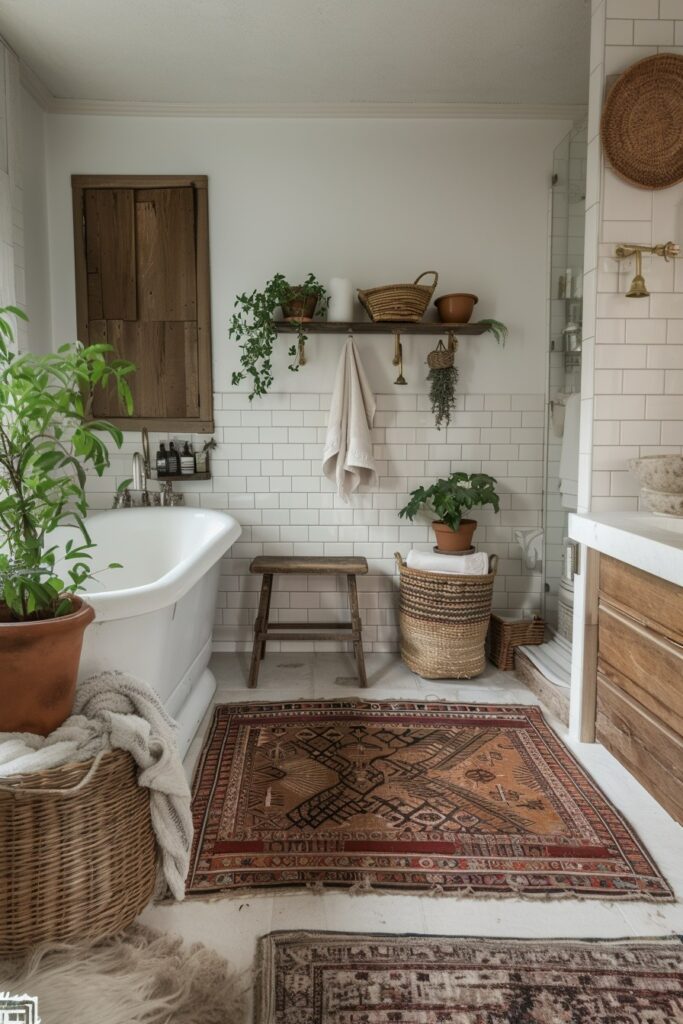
[639, 714]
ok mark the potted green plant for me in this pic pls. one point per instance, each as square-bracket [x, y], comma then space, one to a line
[448, 499]
[47, 439]
[253, 326]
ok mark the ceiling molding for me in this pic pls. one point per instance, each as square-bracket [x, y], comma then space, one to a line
[124, 108]
[35, 86]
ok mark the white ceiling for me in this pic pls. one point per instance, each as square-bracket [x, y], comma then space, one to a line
[305, 51]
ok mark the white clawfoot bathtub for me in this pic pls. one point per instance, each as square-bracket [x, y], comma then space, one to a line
[154, 617]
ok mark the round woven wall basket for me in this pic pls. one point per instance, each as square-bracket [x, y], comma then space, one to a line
[642, 123]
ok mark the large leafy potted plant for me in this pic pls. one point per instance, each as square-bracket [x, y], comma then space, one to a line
[253, 326]
[47, 439]
[449, 498]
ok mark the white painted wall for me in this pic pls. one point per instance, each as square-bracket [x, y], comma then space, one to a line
[376, 201]
[39, 327]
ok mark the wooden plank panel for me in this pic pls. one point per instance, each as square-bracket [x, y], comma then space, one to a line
[106, 402]
[165, 254]
[110, 253]
[165, 363]
[646, 665]
[650, 751]
[655, 602]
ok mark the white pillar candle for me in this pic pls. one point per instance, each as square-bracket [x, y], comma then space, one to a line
[340, 308]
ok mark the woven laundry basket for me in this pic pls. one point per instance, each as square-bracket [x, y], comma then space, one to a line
[77, 852]
[443, 620]
[401, 303]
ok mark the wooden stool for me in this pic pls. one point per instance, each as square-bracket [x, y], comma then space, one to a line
[336, 566]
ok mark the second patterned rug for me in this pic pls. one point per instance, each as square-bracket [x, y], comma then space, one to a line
[406, 796]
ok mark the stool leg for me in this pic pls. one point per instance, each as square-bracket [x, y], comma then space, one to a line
[357, 629]
[260, 629]
[267, 615]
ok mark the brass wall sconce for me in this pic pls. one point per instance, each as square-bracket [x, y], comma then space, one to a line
[668, 251]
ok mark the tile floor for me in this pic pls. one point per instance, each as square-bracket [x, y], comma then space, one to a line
[232, 925]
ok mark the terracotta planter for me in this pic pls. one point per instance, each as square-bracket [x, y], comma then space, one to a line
[448, 540]
[300, 307]
[39, 669]
[456, 308]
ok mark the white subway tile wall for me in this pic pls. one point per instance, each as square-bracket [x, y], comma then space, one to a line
[635, 372]
[266, 470]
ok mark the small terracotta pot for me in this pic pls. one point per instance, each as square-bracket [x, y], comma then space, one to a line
[456, 308]
[300, 307]
[454, 540]
[39, 670]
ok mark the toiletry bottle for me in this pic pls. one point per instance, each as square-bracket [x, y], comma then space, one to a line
[187, 461]
[162, 460]
[201, 461]
[173, 461]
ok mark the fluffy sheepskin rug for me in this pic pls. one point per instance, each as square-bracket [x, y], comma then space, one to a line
[140, 976]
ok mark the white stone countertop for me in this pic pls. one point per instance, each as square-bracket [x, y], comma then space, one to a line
[651, 543]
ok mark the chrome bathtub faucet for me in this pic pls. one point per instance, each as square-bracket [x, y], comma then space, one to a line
[166, 497]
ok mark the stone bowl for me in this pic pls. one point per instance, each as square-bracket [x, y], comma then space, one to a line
[659, 474]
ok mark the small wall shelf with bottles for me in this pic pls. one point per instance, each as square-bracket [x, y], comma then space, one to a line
[180, 462]
[189, 477]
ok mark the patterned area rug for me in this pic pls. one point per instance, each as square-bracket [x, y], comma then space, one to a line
[406, 796]
[326, 978]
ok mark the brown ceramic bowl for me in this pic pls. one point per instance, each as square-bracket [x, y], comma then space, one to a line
[456, 308]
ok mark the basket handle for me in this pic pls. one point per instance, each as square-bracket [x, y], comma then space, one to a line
[399, 561]
[436, 278]
[493, 564]
[18, 794]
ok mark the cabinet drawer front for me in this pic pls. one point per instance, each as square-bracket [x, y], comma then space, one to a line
[650, 751]
[647, 598]
[649, 667]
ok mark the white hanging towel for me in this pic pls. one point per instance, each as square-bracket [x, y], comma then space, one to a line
[569, 456]
[347, 459]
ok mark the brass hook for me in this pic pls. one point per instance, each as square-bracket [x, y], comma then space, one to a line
[452, 342]
[398, 358]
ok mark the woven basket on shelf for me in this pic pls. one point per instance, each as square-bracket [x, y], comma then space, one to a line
[77, 852]
[506, 634]
[443, 620]
[400, 303]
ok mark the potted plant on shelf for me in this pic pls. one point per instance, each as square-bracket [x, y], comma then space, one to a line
[254, 327]
[47, 438]
[448, 499]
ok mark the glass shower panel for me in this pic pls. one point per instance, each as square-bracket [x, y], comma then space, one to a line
[565, 321]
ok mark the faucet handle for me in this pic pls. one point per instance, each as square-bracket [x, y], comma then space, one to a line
[169, 498]
[123, 499]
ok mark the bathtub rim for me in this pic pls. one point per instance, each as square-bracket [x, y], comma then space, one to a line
[165, 590]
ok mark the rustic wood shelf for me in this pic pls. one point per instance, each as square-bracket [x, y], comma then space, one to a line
[369, 327]
[182, 476]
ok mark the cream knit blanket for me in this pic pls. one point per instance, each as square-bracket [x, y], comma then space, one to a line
[115, 711]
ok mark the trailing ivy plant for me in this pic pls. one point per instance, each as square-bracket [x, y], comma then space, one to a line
[451, 497]
[253, 326]
[47, 439]
[442, 382]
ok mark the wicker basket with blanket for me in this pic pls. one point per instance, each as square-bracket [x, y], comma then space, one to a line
[443, 619]
[77, 852]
